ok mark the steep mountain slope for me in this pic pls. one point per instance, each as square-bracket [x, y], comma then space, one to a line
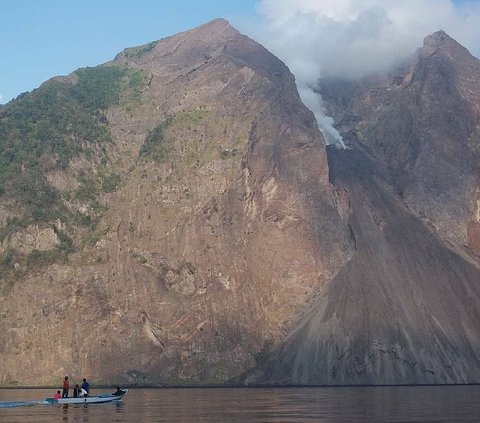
[423, 122]
[188, 222]
[170, 217]
[405, 309]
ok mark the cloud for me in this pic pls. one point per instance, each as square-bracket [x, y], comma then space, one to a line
[351, 38]
[354, 37]
[1, 99]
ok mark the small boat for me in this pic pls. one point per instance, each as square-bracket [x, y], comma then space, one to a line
[97, 399]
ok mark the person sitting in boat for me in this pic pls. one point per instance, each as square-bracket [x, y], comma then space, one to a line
[83, 393]
[57, 395]
[86, 387]
[76, 391]
[118, 392]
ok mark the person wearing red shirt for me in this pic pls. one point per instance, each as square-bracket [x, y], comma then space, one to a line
[66, 387]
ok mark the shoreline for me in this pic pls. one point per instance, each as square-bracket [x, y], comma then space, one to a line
[230, 386]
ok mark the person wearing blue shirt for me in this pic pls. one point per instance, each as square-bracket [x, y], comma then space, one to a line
[86, 386]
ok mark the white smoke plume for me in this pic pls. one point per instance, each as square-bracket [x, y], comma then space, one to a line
[352, 38]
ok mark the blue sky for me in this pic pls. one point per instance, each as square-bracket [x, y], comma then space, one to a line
[44, 38]
[40, 39]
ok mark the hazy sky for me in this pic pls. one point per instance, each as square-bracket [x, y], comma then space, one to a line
[43, 38]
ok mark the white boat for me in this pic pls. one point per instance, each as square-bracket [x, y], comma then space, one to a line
[97, 399]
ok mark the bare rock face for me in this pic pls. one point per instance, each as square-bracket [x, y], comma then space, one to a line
[405, 308]
[216, 240]
[422, 122]
[224, 247]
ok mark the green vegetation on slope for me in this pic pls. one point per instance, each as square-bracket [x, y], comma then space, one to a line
[155, 145]
[139, 51]
[41, 131]
[60, 120]
[102, 87]
[14, 264]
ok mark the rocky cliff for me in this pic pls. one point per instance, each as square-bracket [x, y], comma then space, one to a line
[173, 217]
[421, 121]
[199, 227]
[405, 308]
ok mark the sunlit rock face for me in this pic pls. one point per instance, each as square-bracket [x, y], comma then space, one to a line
[187, 225]
[220, 229]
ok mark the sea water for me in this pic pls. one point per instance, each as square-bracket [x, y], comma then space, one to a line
[360, 404]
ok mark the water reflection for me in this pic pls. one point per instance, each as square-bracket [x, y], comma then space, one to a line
[73, 412]
[326, 405]
[65, 412]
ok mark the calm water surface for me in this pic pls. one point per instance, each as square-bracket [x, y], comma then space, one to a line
[393, 404]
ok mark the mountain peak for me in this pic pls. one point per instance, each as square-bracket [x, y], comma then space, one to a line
[437, 38]
[217, 22]
[441, 41]
[216, 28]
[206, 36]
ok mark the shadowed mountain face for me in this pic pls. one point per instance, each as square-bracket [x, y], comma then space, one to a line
[422, 122]
[198, 228]
[405, 308]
